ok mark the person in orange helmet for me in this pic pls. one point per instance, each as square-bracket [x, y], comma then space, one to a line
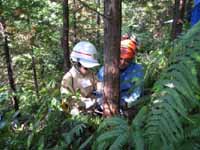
[131, 73]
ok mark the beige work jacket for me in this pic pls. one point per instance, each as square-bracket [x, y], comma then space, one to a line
[73, 81]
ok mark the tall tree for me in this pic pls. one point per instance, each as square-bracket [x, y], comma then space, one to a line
[31, 47]
[10, 70]
[112, 34]
[188, 8]
[74, 22]
[98, 19]
[64, 41]
[34, 73]
[179, 10]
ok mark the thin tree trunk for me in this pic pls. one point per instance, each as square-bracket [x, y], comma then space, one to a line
[179, 10]
[33, 65]
[10, 74]
[64, 41]
[35, 74]
[112, 34]
[189, 9]
[98, 19]
[74, 23]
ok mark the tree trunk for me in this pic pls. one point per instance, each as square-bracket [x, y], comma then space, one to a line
[189, 9]
[98, 24]
[35, 74]
[74, 23]
[10, 74]
[112, 34]
[33, 65]
[65, 44]
[179, 9]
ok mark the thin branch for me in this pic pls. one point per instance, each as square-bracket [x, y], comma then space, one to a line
[86, 5]
[75, 11]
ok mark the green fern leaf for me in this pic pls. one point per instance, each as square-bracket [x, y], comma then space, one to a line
[194, 133]
[115, 121]
[103, 145]
[138, 139]
[73, 133]
[86, 143]
[183, 92]
[109, 135]
[139, 118]
[185, 69]
[174, 99]
[184, 83]
[174, 116]
[172, 104]
[120, 141]
[162, 125]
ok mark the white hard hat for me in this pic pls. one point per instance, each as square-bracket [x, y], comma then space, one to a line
[85, 53]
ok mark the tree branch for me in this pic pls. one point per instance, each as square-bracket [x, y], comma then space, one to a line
[86, 5]
[75, 11]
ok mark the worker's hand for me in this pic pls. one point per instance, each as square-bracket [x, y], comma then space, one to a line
[89, 102]
[99, 87]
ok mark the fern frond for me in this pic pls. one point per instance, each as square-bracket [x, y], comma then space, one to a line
[109, 135]
[179, 77]
[114, 122]
[86, 143]
[174, 99]
[138, 139]
[185, 69]
[120, 141]
[160, 124]
[139, 118]
[188, 101]
[78, 129]
[175, 94]
[101, 146]
[193, 133]
[74, 132]
[114, 132]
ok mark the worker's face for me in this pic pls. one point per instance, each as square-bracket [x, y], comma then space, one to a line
[123, 63]
[83, 70]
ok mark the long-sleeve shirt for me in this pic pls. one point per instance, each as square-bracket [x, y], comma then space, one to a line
[195, 13]
[74, 82]
[131, 82]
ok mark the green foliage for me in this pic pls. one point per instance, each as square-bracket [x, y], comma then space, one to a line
[113, 134]
[169, 121]
[116, 133]
[175, 94]
[146, 20]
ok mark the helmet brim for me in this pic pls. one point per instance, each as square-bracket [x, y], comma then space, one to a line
[88, 64]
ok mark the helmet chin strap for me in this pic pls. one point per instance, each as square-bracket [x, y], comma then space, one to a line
[76, 64]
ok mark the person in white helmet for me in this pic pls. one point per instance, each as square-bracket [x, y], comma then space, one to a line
[79, 83]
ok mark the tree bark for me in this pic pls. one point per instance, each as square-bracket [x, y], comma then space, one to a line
[64, 41]
[10, 74]
[179, 10]
[112, 34]
[98, 19]
[35, 74]
[189, 9]
[74, 23]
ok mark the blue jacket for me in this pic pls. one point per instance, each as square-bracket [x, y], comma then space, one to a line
[196, 2]
[131, 82]
[195, 13]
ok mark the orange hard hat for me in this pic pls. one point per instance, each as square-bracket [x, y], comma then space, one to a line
[128, 49]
